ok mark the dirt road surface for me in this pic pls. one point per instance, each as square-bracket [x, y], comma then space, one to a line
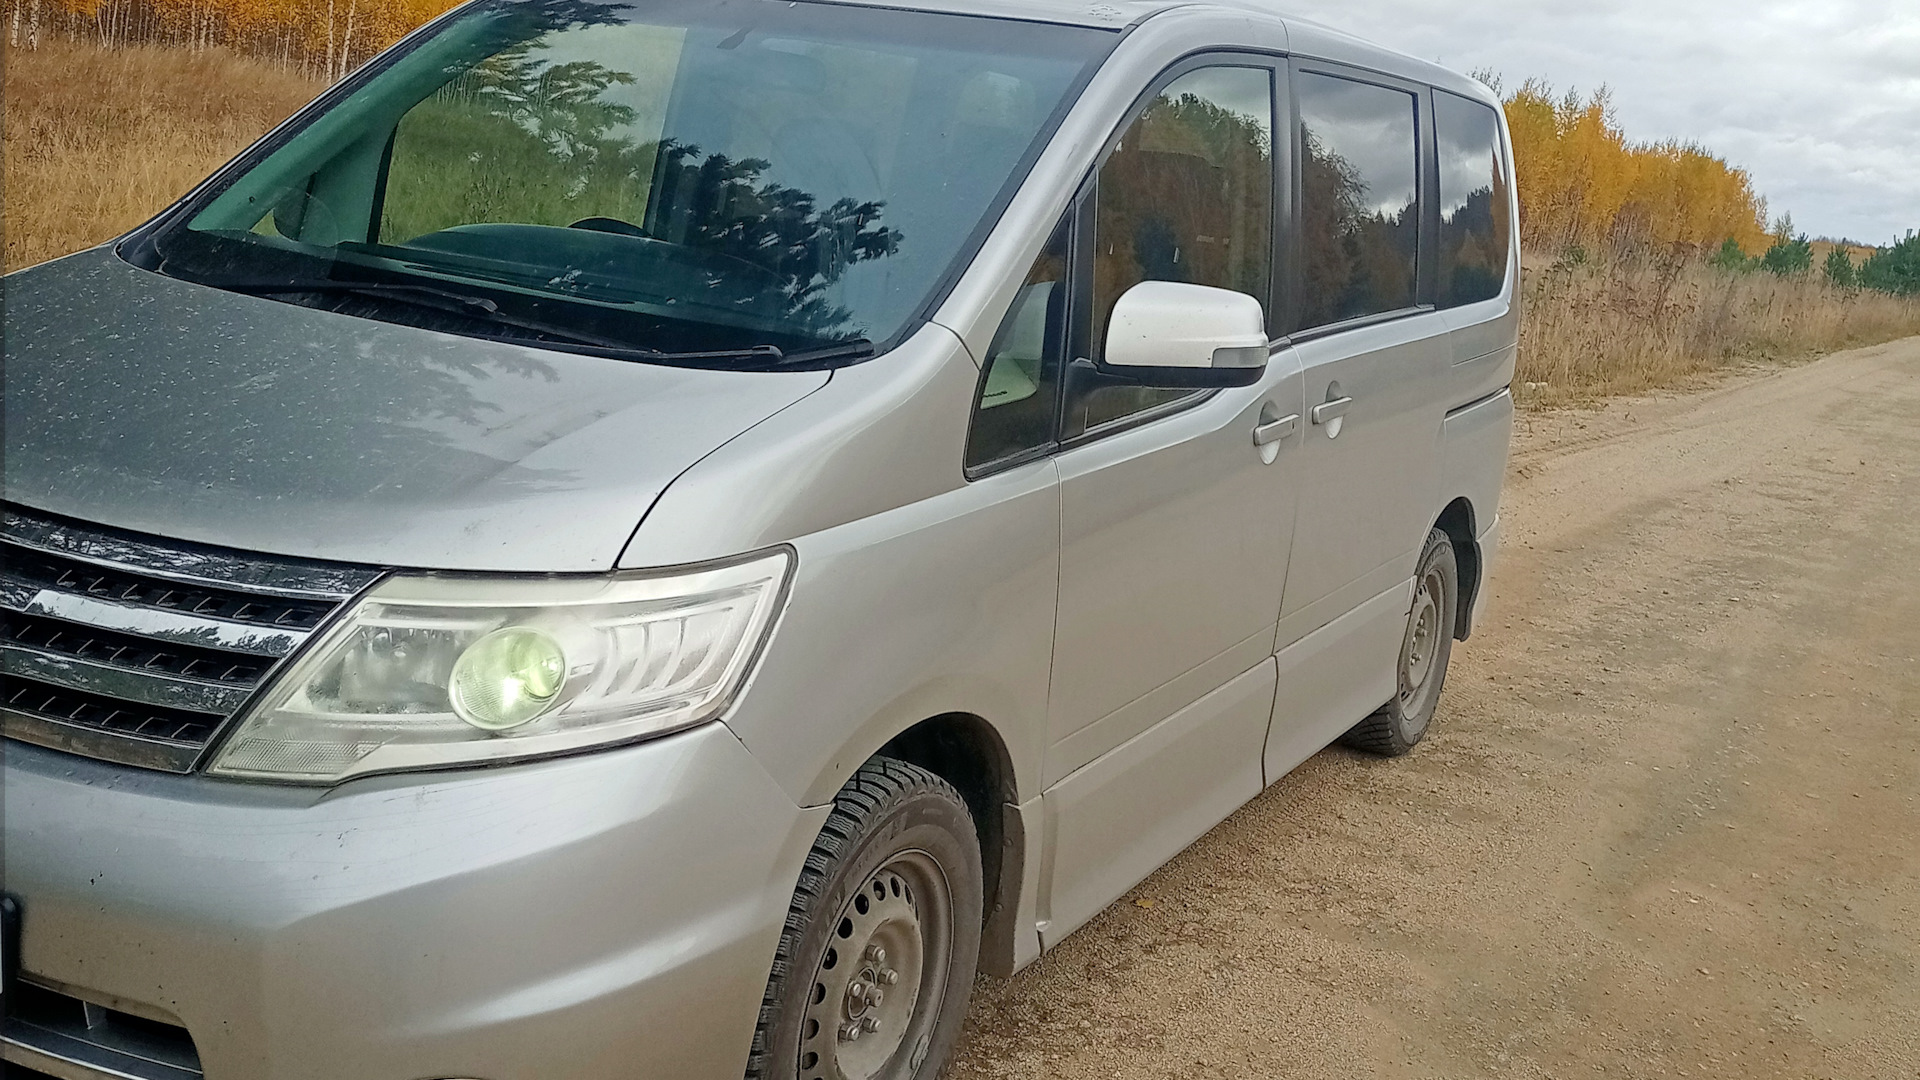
[1668, 824]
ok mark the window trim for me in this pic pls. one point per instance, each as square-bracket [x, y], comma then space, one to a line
[1138, 419]
[1360, 322]
[1426, 183]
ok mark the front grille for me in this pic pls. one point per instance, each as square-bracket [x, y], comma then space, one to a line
[47, 570]
[54, 636]
[138, 650]
[101, 713]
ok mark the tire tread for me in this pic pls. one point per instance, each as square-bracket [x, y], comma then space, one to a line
[878, 785]
[1380, 733]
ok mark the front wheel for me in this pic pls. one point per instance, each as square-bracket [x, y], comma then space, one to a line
[877, 960]
[1399, 725]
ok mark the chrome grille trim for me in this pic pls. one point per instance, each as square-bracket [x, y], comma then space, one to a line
[53, 637]
[145, 753]
[44, 570]
[126, 684]
[165, 627]
[113, 658]
[185, 563]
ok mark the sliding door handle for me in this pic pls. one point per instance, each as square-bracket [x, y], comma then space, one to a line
[1274, 430]
[1332, 410]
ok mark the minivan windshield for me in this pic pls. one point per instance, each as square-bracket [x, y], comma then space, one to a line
[698, 181]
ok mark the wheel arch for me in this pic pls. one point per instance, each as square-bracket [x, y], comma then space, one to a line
[1458, 522]
[968, 752]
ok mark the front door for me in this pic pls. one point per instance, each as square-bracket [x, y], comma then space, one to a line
[1175, 521]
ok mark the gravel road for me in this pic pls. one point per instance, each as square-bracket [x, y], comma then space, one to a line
[1668, 823]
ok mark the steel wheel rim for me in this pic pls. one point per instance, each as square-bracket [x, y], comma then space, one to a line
[877, 991]
[1422, 647]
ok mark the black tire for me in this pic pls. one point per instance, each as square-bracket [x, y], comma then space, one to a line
[903, 835]
[1421, 669]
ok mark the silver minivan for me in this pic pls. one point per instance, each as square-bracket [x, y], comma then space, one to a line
[655, 538]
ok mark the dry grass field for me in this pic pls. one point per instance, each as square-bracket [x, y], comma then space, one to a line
[1859, 253]
[1625, 326]
[97, 141]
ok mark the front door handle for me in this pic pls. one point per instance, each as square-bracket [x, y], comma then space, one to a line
[1274, 430]
[1332, 410]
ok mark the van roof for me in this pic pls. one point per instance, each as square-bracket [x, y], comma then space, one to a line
[1307, 38]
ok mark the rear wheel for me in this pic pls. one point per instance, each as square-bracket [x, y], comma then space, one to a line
[1399, 725]
[877, 959]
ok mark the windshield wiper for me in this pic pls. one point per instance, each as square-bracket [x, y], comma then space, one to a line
[752, 358]
[483, 309]
[459, 303]
[851, 349]
[371, 288]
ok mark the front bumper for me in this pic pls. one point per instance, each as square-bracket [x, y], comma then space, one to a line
[606, 916]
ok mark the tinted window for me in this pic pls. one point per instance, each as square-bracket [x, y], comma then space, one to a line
[1018, 393]
[680, 175]
[1475, 236]
[1186, 196]
[1360, 217]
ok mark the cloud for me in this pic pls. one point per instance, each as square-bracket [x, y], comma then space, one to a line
[1818, 99]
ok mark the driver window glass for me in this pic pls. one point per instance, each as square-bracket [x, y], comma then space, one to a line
[1014, 413]
[1186, 196]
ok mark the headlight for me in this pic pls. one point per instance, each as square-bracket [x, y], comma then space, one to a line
[427, 672]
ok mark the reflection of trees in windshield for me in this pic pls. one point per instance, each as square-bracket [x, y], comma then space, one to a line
[717, 204]
[524, 140]
[514, 139]
[562, 105]
[1359, 256]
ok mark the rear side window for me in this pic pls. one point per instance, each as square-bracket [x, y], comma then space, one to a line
[1475, 230]
[1359, 198]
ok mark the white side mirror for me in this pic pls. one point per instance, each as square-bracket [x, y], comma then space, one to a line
[1170, 333]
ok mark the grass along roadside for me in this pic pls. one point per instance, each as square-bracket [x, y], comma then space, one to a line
[97, 141]
[1630, 324]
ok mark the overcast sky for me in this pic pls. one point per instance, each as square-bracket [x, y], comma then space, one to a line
[1818, 99]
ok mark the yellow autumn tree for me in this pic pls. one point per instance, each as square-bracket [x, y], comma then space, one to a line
[1583, 182]
[331, 37]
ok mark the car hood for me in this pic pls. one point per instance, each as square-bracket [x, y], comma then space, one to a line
[153, 404]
